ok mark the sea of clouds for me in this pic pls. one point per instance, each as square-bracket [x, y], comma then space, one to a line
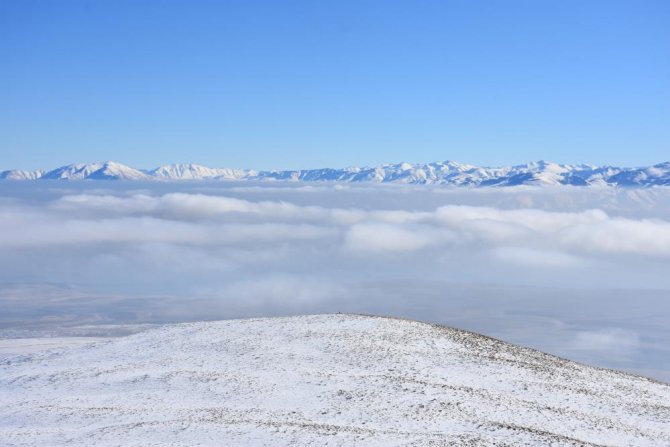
[579, 272]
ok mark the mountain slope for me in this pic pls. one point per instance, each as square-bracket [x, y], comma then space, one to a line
[109, 170]
[189, 171]
[77, 171]
[322, 380]
[116, 171]
[444, 173]
[18, 174]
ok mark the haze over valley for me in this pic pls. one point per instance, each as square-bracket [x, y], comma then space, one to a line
[577, 272]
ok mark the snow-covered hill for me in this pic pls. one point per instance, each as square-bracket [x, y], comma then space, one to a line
[448, 173]
[321, 380]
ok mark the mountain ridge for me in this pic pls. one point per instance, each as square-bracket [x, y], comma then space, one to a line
[440, 173]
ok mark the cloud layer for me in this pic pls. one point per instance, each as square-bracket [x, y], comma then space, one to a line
[232, 250]
[200, 219]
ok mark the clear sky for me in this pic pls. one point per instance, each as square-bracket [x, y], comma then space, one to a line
[303, 84]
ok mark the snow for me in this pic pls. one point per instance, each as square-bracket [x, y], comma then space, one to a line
[77, 171]
[18, 174]
[95, 171]
[447, 173]
[116, 171]
[196, 172]
[16, 346]
[321, 380]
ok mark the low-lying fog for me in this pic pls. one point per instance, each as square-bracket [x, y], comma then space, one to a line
[583, 273]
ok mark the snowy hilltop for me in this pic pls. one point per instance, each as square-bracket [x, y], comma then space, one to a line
[321, 380]
[444, 173]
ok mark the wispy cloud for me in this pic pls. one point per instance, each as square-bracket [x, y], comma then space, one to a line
[183, 218]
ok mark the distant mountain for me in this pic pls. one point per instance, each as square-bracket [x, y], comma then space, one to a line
[96, 171]
[196, 172]
[442, 173]
[78, 171]
[17, 174]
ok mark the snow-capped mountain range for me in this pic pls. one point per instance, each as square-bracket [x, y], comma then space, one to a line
[445, 173]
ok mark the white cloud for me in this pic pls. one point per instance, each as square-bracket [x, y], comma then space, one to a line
[390, 250]
[386, 237]
[626, 236]
[131, 230]
[519, 234]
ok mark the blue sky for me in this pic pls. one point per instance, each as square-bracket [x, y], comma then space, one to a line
[299, 84]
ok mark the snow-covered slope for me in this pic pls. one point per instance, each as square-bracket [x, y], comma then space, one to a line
[653, 175]
[321, 380]
[109, 170]
[78, 171]
[18, 174]
[190, 171]
[116, 171]
[447, 173]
